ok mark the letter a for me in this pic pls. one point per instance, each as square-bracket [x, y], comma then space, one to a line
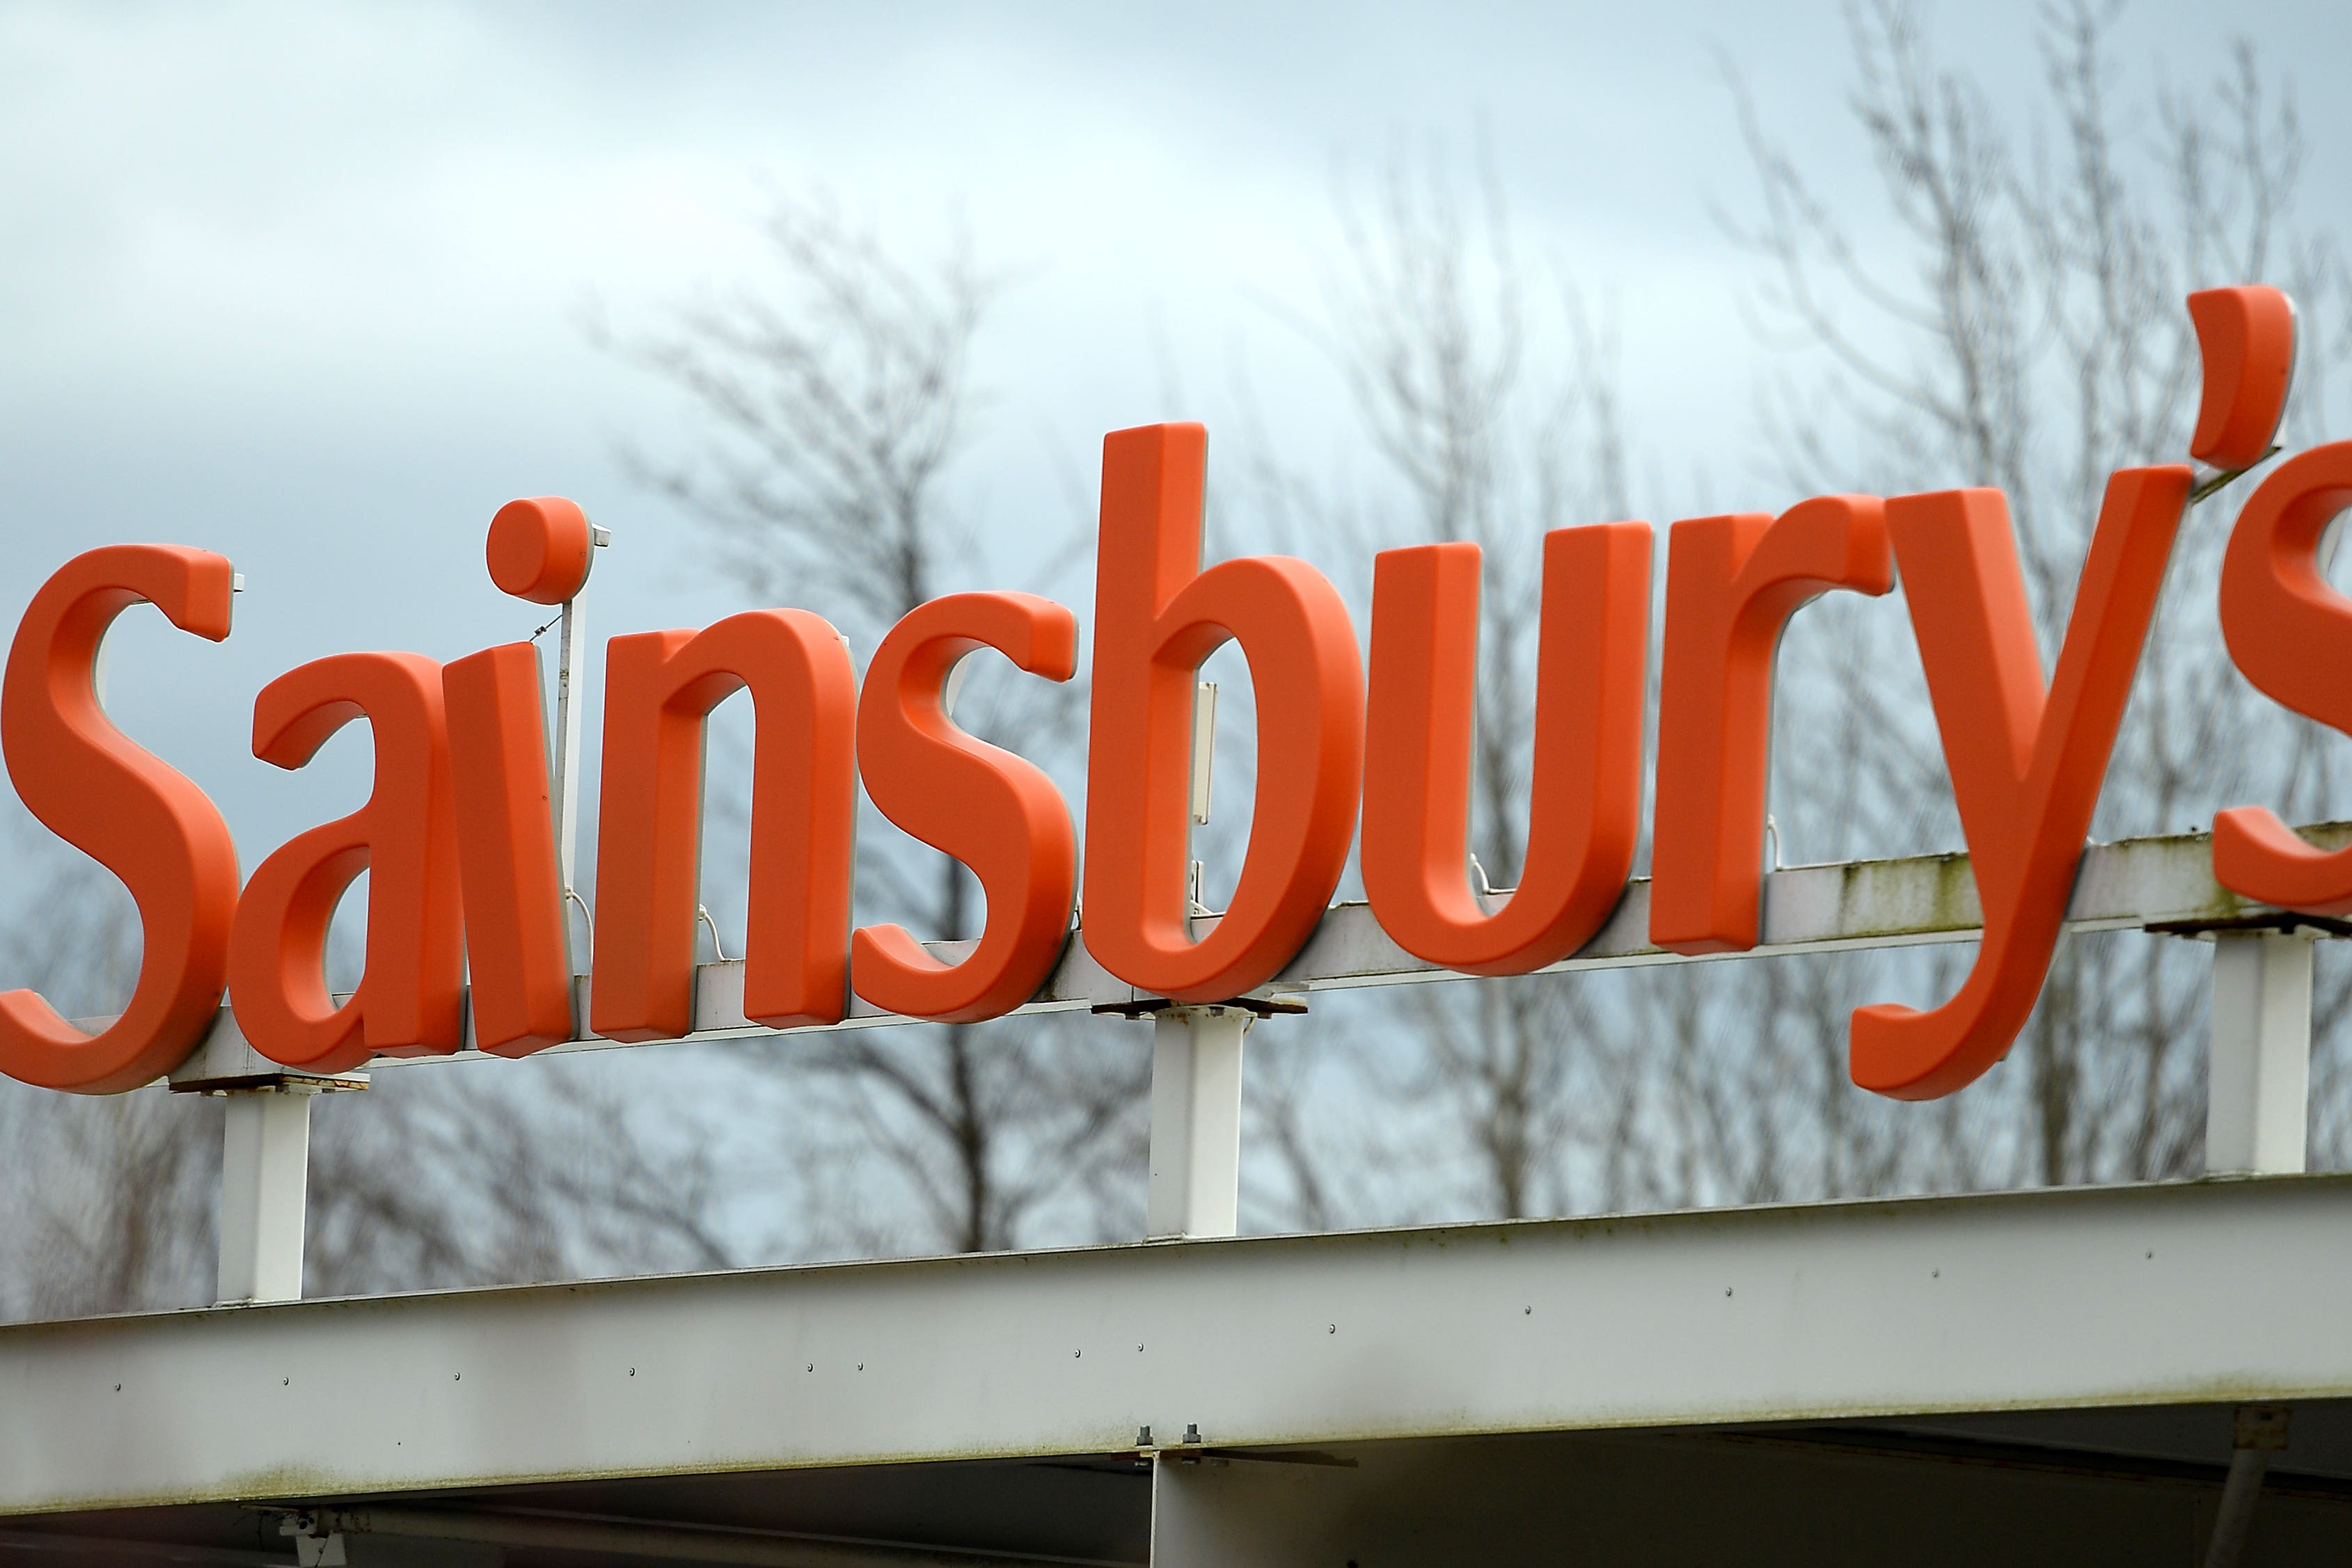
[410, 997]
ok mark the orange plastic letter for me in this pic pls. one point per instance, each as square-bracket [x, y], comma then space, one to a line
[540, 550]
[1732, 583]
[147, 824]
[1157, 616]
[995, 813]
[518, 957]
[1584, 815]
[409, 1001]
[2246, 339]
[2289, 633]
[658, 687]
[2026, 760]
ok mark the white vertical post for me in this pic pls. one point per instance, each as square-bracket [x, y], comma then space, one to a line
[265, 1168]
[2260, 1068]
[570, 648]
[1196, 1122]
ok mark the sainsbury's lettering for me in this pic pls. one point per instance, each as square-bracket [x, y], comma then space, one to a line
[468, 868]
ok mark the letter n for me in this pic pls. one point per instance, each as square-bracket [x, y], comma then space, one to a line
[659, 688]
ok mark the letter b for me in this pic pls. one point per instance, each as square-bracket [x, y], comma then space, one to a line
[1157, 616]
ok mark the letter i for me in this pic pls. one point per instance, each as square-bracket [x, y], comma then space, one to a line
[515, 823]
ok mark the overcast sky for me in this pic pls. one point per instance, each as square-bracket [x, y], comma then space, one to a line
[303, 284]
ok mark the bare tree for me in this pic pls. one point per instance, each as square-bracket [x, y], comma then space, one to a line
[483, 1174]
[1437, 328]
[113, 1205]
[496, 1173]
[840, 394]
[439, 1176]
[2023, 328]
[2028, 331]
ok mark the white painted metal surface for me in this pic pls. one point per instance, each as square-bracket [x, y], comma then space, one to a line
[2070, 1298]
[2165, 883]
[565, 783]
[2261, 1007]
[1196, 1122]
[2259, 1090]
[265, 1172]
[1203, 779]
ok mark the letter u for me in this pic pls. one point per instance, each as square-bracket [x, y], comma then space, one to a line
[1585, 805]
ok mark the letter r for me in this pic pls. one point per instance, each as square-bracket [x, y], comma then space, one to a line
[1732, 582]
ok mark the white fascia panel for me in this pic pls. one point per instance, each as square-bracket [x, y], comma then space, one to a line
[2210, 1290]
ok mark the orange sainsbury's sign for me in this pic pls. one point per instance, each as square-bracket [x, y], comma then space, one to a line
[462, 856]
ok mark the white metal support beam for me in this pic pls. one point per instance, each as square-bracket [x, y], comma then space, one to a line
[265, 1174]
[1196, 1122]
[2258, 1093]
[2163, 883]
[571, 645]
[2072, 1298]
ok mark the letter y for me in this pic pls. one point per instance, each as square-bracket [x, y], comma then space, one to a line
[2026, 761]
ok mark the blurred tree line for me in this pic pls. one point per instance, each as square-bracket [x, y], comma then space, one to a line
[2003, 307]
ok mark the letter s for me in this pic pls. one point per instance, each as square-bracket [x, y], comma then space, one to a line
[995, 813]
[2289, 633]
[93, 787]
